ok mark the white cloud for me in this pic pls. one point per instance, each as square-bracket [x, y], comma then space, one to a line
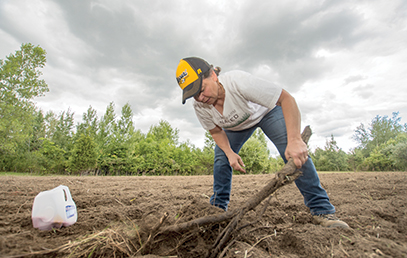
[344, 61]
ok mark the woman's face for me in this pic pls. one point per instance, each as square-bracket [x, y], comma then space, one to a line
[209, 90]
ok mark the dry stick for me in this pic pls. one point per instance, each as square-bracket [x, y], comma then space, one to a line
[226, 249]
[119, 202]
[21, 207]
[180, 243]
[199, 222]
[287, 175]
[251, 248]
[137, 232]
[265, 206]
[153, 232]
[259, 216]
[62, 248]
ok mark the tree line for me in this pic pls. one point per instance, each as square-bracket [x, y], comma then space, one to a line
[48, 143]
[382, 146]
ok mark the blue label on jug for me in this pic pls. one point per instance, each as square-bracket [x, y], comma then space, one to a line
[70, 211]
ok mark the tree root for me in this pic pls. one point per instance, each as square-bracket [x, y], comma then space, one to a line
[144, 248]
[285, 176]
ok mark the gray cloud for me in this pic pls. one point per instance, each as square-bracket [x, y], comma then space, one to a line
[338, 57]
[287, 39]
[364, 91]
[354, 78]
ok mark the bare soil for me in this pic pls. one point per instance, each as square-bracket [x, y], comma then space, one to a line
[116, 214]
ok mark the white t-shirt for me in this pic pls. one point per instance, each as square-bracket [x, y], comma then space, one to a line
[248, 99]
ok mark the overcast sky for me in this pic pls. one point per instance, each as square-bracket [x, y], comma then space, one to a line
[344, 61]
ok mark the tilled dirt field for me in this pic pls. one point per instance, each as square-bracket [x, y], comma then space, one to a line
[116, 214]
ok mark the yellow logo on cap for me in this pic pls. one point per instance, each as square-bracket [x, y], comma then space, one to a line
[186, 74]
[181, 78]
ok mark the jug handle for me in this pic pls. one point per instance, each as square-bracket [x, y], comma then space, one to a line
[67, 193]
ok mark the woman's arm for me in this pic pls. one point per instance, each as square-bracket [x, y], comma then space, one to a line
[221, 139]
[296, 148]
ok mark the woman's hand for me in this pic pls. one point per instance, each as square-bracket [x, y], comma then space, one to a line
[219, 136]
[236, 162]
[297, 150]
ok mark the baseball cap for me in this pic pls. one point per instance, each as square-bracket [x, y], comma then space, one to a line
[189, 75]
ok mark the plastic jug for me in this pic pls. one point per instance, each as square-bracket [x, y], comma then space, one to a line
[54, 209]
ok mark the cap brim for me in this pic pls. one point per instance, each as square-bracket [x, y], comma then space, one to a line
[191, 90]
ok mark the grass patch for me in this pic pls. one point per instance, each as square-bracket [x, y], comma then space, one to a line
[328, 172]
[17, 174]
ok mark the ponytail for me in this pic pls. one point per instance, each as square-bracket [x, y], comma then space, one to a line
[217, 70]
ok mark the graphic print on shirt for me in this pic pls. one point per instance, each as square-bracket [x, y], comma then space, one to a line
[233, 119]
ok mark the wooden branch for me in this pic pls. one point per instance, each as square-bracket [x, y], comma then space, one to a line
[153, 231]
[288, 174]
[199, 222]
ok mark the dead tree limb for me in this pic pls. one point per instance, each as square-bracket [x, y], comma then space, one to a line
[153, 231]
[199, 222]
[287, 175]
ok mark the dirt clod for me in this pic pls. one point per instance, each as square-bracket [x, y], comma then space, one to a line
[116, 215]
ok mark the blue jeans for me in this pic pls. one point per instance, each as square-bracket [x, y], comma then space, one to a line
[273, 125]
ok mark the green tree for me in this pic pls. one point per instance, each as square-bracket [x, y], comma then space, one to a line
[380, 144]
[184, 159]
[259, 135]
[396, 150]
[29, 156]
[159, 150]
[399, 156]
[20, 75]
[117, 141]
[38, 131]
[155, 156]
[107, 127]
[19, 83]
[160, 153]
[355, 159]
[204, 160]
[26, 157]
[125, 127]
[206, 156]
[83, 155]
[105, 138]
[377, 161]
[90, 124]
[53, 157]
[209, 141]
[381, 130]
[255, 154]
[59, 128]
[388, 156]
[164, 131]
[331, 158]
[276, 164]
